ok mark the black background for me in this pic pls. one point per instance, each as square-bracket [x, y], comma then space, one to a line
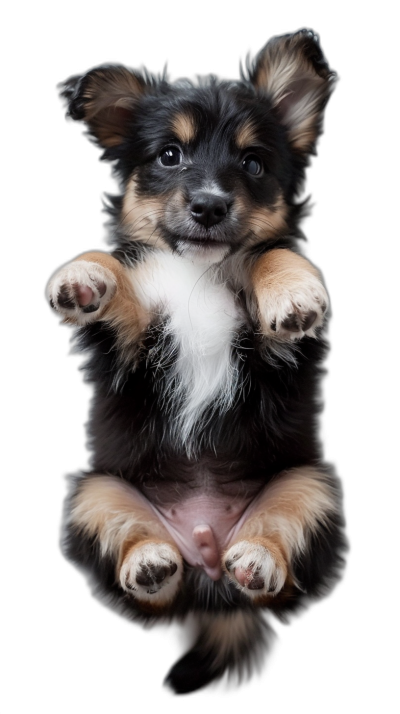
[93, 654]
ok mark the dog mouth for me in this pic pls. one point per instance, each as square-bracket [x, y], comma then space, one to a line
[205, 242]
[197, 238]
[207, 248]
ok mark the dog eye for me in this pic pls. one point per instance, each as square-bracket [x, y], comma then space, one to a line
[252, 165]
[170, 156]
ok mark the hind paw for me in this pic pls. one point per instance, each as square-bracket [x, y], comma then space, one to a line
[255, 569]
[81, 290]
[151, 572]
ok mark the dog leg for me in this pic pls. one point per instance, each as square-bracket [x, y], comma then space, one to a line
[296, 506]
[118, 518]
[291, 299]
[96, 286]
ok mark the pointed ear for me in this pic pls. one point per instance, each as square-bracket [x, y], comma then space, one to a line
[105, 98]
[292, 71]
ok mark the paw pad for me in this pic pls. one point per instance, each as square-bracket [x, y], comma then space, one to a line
[80, 290]
[151, 572]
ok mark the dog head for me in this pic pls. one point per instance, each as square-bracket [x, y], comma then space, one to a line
[215, 166]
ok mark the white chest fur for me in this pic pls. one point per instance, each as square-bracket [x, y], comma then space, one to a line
[203, 322]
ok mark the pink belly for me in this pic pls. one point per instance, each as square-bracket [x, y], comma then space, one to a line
[203, 526]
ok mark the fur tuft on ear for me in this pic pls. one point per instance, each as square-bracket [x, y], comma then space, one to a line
[291, 69]
[105, 98]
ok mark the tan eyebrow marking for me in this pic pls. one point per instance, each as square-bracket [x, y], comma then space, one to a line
[183, 125]
[246, 135]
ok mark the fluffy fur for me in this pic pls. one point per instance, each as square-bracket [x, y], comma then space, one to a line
[204, 330]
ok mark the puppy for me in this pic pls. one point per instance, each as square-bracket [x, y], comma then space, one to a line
[204, 334]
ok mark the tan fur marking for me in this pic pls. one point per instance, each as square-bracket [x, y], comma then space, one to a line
[263, 223]
[246, 136]
[130, 546]
[108, 87]
[269, 221]
[305, 134]
[106, 508]
[228, 632]
[284, 70]
[277, 267]
[286, 286]
[110, 96]
[292, 506]
[184, 127]
[282, 66]
[276, 271]
[123, 311]
[277, 72]
[140, 216]
[106, 261]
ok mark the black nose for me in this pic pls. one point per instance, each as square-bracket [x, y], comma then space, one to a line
[208, 209]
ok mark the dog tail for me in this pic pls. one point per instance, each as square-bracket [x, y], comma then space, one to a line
[231, 641]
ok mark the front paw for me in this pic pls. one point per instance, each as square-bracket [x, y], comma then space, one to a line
[255, 569]
[81, 290]
[151, 572]
[289, 313]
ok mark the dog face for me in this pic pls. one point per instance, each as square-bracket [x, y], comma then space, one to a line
[207, 169]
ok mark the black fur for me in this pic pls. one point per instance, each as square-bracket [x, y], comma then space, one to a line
[272, 424]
